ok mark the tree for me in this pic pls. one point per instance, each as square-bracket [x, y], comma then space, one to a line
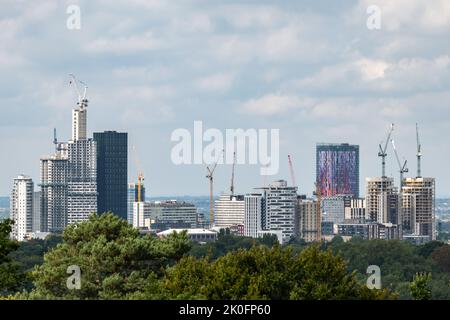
[267, 273]
[10, 277]
[441, 256]
[116, 262]
[419, 287]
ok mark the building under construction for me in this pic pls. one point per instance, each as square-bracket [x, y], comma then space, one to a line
[382, 200]
[419, 206]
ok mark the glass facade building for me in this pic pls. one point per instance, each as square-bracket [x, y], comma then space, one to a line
[112, 172]
[337, 169]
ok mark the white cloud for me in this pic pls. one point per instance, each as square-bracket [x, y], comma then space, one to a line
[219, 82]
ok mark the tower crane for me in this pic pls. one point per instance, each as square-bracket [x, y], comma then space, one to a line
[419, 153]
[291, 170]
[382, 153]
[403, 168]
[82, 100]
[232, 174]
[210, 177]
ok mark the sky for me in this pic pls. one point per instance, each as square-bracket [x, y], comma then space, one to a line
[312, 69]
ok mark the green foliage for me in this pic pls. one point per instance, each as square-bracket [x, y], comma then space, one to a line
[441, 256]
[10, 277]
[263, 273]
[420, 289]
[115, 260]
[227, 242]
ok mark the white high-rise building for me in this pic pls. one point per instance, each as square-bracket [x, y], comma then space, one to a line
[22, 207]
[141, 214]
[79, 123]
[229, 211]
[254, 212]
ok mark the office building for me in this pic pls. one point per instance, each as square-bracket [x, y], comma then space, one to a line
[172, 212]
[356, 210]
[333, 208]
[337, 169]
[132, 197]
[112, 172]
[22, 207]
[229, 211]
[419, 206]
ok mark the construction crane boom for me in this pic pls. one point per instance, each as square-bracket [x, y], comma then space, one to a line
[291, 170]
[382, 153]
[403, 168]
[232, 174]
[210, 177]
[419, 152]
[82, 101]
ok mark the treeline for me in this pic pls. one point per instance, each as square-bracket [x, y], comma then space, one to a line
[116, 262]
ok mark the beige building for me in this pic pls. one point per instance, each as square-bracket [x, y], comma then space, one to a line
[308, 220]
[419, 206]
[229, 211]
[382, 204]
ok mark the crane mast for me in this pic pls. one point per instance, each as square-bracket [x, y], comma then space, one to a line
[419, 152]
[232, 174]
[210, 177]
[291, 170]
[382, 153]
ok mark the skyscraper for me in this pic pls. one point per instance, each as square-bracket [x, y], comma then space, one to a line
[22, 207]
[112, 172]
[281, 204]
[82, 161]
[82, 180]
[337, 169]
[254, 212]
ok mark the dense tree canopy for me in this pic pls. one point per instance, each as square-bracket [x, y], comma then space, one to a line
[10, 277]
[263, 273]
[114, 259]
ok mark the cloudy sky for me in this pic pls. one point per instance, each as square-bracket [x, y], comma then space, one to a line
[309, 68]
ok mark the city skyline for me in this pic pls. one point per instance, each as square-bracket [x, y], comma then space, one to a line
[236, 70]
